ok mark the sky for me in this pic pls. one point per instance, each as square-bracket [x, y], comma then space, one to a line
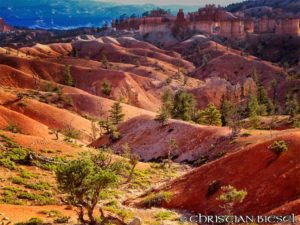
[175, 2]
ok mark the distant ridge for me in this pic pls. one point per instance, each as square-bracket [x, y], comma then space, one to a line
[286, 5]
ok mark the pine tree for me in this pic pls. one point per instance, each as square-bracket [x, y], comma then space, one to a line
[163, 116]
[210, 116]
[252, 104]
[110, 129]
[252, 110]
[184, 105]
[165, 111]
[263, 99]
[274, 85]
[106, 88]
[104, 61]
[291, 105]
[116, 114]
[226, 110]
[68, 79]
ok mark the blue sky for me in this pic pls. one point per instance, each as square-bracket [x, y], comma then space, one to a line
[173, 2]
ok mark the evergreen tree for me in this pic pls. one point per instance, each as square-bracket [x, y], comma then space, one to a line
[68, 79]
[84, 179]
[210, 116]
[106, 88]
[184, 105]
[252, 110]
[104, 61]
[110, 129]
[274, 85]
[291, 105]
[252, 104]
[263, 99]
[116, 114]
[163, 116]
[226, 110]
[168, 100]
[165, 111]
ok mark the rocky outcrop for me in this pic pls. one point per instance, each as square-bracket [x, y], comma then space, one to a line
[4, 28]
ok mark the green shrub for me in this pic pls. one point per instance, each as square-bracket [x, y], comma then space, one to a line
[246, 134]
[70, 133]
[19, 180]
[220, 154]
[278, 147]
[14, 128]
[51, 213]
[39, 199]
[26, 174]
[17, 155]
[39, 186]
[32, 221]
[122, 213]
[164, 215]
[202, 160]
[62, 219]
[157, 199]
[7, 163]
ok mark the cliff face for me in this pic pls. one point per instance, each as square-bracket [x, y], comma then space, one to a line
[4, 27]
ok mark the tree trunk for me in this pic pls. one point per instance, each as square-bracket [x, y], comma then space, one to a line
[91, 216]
[130, 175]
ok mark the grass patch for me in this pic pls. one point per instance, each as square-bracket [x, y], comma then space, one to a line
[40, 199]
[165, 215]
[157, 199]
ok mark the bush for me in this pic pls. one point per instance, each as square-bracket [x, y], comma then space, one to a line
[19, 180]
[106, 88]
[70, 133]
[157, 199]
[278, 147]
[17, 155]
[32, 221]
[39, 186]
[43, 199]
[246, 134]
[164, 215]
[62, 219]
[26, 174]
[202, 160]
[7, 163]
[14, 128]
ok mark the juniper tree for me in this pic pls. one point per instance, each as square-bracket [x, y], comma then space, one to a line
[84, 179]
